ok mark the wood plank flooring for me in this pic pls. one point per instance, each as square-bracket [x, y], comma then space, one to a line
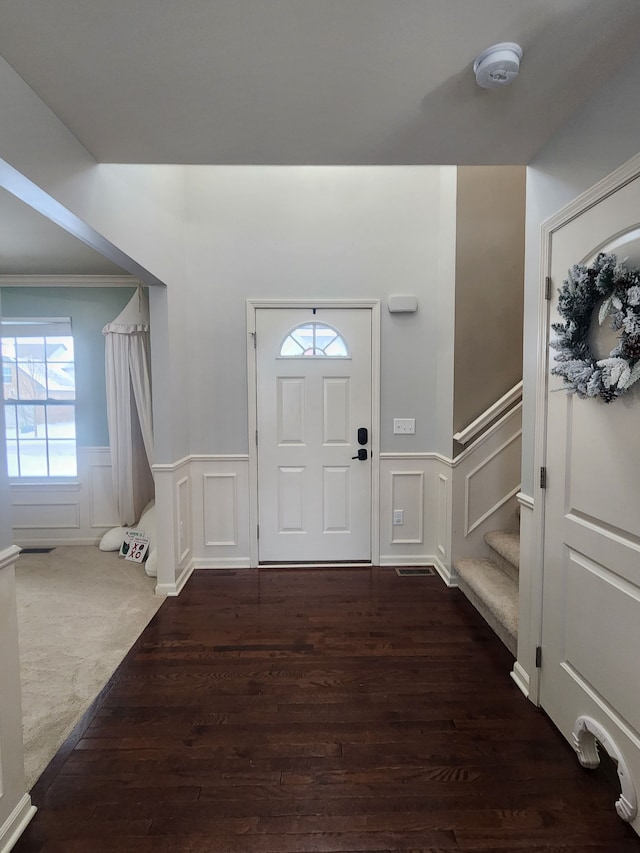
[325, 710]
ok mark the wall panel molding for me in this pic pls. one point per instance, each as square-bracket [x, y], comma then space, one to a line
[485, 482]
[66, 513]
[407, 483]
[220, 509]
[220, 517]
[183, 519]
[407, 493]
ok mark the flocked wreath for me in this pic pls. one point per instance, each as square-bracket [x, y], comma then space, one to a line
[616, 290]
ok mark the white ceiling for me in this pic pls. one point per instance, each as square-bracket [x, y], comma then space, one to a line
[312, 81]
[297, 82]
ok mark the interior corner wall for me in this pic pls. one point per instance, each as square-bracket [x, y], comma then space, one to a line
[489, 287]
[445, 338]
[314, 232]
[601, 136]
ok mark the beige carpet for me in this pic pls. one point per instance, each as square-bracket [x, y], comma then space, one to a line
[79, 612]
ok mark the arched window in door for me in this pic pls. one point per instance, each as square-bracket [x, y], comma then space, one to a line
[314, 340]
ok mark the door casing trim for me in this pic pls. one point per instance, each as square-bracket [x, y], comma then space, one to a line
[252, 305]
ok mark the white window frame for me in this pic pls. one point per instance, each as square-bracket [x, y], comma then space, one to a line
[20, 327]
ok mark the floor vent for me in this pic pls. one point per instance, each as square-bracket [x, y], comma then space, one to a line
[37, 550]
[420, 572]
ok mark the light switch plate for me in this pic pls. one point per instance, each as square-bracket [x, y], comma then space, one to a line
[404, 426]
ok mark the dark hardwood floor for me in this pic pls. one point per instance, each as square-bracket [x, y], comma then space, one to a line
[319, 710]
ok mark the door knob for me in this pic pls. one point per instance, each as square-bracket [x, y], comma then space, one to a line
[362, 455]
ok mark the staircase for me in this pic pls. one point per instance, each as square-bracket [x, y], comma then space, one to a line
[491, 585]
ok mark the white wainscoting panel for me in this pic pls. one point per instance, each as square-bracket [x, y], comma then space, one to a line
[66, 513]
[220, 505]
[492, 482]
[486, 480]
[184, 534]
[47, 515]
[103, 513]
[220, 511]
[407, 495]
[174, 525]
[408, 482]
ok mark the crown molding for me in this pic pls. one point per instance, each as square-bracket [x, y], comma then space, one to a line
[68, 281]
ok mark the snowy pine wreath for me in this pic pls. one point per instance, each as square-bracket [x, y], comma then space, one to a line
[618, 290]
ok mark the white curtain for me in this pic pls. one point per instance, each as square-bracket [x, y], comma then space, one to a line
[128, 375]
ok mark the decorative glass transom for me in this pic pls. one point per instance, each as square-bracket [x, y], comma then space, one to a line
[314, 340]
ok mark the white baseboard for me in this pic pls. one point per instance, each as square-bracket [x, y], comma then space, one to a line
[449, 577]
[521, 677]
[173, 589]
[55, 543]
[221, 563]
[16, 823]
[411, 560]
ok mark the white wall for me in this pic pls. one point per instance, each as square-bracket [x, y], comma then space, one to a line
[317, 232]
[599, 138]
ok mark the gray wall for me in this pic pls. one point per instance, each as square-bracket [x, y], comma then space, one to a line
[600, 137]
[489, 287]
[323, 233]
[90, 309]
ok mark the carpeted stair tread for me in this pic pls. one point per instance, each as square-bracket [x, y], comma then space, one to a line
[493, 594]
[506, 546]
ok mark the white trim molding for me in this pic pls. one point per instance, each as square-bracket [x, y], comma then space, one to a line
[513, 396]
[174, 525]
[8, 556]
[16, 823]
[175, 588]
[521, 678]
[68, 281]
[16, 809]
[525, 500]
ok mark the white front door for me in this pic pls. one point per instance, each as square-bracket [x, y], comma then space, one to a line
[591, 598]
[314, 397]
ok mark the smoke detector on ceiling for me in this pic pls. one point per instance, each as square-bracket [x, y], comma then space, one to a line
[498, 65]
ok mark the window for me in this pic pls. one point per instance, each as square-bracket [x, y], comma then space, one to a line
[314, 340]
[39, 397]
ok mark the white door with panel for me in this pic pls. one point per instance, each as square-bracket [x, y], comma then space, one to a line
[314, 399]
[590, 676]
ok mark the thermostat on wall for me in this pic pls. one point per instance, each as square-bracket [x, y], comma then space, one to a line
[403, 304]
